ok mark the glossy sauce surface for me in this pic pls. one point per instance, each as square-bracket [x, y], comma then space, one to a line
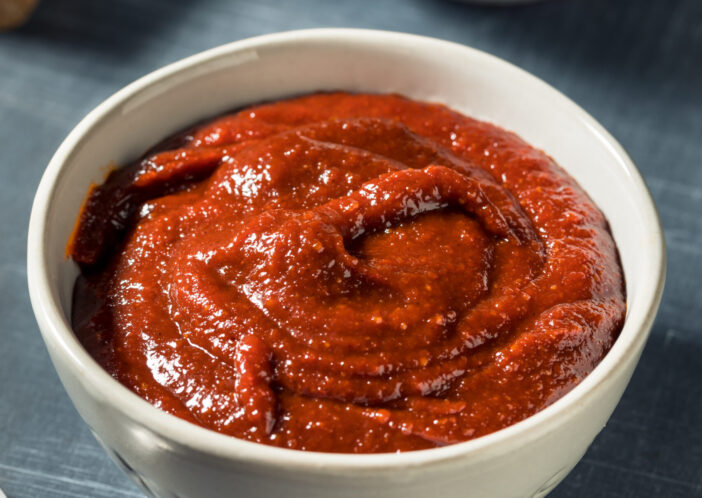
[346, 273]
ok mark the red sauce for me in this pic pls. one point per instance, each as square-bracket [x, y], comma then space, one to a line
[346, 273]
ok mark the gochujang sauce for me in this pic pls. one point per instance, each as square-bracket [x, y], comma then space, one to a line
[346, 273]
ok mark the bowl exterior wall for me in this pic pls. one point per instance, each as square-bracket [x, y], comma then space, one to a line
[165, 468]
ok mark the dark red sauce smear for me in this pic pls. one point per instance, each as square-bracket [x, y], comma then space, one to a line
[346, 273]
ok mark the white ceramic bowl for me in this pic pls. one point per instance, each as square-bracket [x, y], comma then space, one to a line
[171, 457]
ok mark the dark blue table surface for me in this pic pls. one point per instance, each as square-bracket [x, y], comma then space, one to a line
[635, 65]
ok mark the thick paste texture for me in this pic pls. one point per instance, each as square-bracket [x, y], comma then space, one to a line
[346, 273]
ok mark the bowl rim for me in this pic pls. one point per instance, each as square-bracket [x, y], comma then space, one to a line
[58, 335]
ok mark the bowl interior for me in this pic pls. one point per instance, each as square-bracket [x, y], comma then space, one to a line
[468, 81]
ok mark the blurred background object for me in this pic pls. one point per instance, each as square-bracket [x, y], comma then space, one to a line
[14, 13]
[497, 3]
